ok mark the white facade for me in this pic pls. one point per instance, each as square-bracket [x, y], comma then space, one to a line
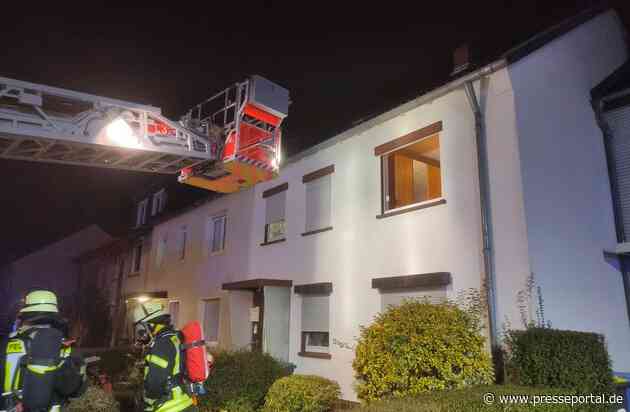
[534, 112]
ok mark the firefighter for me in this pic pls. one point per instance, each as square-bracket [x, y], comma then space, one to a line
[164, 388]
[40, 370]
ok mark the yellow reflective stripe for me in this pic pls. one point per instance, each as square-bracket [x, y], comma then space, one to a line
[175, 342]
[156, 360]
[39, 369]
[18, 376]
[7, 376]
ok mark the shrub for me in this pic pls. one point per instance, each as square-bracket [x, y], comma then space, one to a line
[306, 393]
[240, 380]
[471, 399]
[94, 400]
[418, 347]
[558, 358]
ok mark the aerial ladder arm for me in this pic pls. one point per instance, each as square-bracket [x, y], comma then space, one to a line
[227, 142]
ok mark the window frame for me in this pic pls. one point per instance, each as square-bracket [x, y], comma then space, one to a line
[178, 302]
[388, 148]
[161, 196]
[325, 172]
[160, 251]
[211, 225]
[203, 317]
[182, 242]
[314, 290]
[267, 195]
[141, 212]
[136, 257]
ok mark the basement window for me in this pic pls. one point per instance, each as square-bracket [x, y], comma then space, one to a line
[412, 174]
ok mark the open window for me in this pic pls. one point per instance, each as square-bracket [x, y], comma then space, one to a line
[411, 169]
[412, 174]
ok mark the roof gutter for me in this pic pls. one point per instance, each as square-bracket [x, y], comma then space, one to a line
[486, 216]
[403, 108]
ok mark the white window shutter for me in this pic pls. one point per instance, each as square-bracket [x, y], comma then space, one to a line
[315, 313]
[275, 207]
[318, 203]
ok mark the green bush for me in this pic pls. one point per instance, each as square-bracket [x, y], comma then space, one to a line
[471, 399]
[240, 380]
[94, 400]
[418, 347]
[558, 358]
[307, 393]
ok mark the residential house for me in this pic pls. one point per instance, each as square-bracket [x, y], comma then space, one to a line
[499, 174]
[51, 267]
[119, 267]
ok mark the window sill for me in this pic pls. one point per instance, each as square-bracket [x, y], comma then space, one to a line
[313, 232]
[273, 242]
[218, 253]
[133, 275]
[412, 208]
[316, 355]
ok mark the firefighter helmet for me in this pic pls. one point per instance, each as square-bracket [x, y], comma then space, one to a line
[40, 301]
[147, 311]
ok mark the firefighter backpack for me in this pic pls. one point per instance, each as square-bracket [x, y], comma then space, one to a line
[196, 357]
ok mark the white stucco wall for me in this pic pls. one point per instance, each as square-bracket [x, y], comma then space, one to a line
[568, 204]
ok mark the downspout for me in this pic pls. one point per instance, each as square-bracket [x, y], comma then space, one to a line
[486, 218]
[610, 163]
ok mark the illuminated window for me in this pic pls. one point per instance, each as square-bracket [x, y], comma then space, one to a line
[412, 174]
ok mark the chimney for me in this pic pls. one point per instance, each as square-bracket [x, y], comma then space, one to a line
[462, 60]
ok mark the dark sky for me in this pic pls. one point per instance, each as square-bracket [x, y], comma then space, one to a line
[340, 63]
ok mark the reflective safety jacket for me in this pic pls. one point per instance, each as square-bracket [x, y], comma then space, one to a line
[37, 381]
[163, 375]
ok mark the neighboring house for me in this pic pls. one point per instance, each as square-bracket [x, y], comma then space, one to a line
[51, 267]
[611, 101]
[393, 207]
[119, 267]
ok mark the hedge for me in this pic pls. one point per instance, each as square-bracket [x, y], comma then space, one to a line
[547, 357]
[418, 347]
[240, 380]
[93, 400]
[471, 399]
[302, 393]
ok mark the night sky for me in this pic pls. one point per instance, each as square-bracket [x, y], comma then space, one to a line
[340, 63]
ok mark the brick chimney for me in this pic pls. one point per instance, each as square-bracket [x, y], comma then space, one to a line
[462, 60]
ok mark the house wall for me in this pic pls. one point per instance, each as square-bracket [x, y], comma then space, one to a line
[566, 188]
[360, 247]
[53, 267]
[530, 191]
